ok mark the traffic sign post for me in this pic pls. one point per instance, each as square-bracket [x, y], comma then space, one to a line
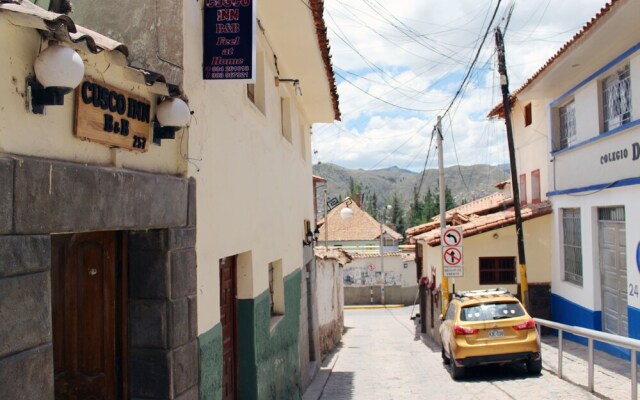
[452, 255]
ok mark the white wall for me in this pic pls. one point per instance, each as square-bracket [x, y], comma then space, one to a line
[588, 295]
[254, 188]
[395, 272]
[330, 293]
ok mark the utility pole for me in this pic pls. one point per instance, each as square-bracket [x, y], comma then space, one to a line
[326, 223]
[506, 104]
[382, 256]
[443, 215]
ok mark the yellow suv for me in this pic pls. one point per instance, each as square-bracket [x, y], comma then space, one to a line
[488, 327]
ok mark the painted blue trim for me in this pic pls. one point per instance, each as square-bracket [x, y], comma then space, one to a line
[570, 313]
[634, 322]
[593, 76]
[601, 136]
[597, 187]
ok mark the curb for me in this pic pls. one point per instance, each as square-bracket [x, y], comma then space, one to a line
[366, 307]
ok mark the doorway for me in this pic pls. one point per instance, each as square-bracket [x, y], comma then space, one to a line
[228, 320]
[613, 270]
[88, 290]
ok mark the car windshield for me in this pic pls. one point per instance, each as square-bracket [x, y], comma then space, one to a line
[491, 311]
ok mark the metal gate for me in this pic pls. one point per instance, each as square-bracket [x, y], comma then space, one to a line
[613, 270]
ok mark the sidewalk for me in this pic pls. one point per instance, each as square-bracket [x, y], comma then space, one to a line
[612, 375]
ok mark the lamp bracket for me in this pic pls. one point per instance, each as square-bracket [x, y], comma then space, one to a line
[38, 96]
[163, 132]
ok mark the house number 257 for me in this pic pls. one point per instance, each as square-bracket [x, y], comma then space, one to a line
[633, 290]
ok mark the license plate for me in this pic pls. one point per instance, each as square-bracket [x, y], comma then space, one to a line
[496, 333]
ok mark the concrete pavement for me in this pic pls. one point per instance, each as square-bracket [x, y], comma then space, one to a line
[382, 356]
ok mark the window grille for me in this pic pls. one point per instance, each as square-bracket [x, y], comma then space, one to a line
[497, 270]
[567, 125]
[614, 214]
[616, 98]
[572, 245]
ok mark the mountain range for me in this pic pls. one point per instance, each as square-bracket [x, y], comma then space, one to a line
[466, 182]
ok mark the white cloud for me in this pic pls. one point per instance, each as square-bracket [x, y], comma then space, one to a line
[413, 54]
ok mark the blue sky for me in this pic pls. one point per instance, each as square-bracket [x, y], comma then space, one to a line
[391, 57]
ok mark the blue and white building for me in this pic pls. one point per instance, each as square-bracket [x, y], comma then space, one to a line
[584, 106]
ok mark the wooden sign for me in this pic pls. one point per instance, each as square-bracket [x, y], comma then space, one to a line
[112, 116]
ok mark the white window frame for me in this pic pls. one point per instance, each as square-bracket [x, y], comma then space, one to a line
[616, 98]
[572, 265]
[567, 120]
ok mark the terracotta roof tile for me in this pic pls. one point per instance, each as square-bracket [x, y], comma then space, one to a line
[462, 214]
[317, 8]
[361, 226]
[490, 222]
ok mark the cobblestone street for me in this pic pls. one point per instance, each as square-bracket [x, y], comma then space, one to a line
[382, 357]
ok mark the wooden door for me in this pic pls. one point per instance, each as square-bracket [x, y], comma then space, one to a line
[229, 327]
[86, 345]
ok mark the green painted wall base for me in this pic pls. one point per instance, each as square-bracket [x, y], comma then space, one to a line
[211, 364]
[268, 358]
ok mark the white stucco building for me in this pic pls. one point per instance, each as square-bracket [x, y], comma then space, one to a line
[583, 109]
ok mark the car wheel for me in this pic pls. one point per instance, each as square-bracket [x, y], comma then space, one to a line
[456, 372]
[445, 359]
[534, 367]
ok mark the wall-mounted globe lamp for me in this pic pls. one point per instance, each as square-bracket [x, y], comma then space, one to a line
[59, 70]
[172, 115]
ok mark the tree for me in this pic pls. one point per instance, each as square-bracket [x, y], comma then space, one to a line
[397, 214]
[354, 188]
[449, 201]
[415, 209]
[371, 206]
[430, 206]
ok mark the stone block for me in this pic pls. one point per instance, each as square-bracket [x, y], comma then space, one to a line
[25, 312]
[191, 216]
[56, 196]
[148, 323]
[185, 367]
[193, 317]
[191, 394]
[21, 255]
[28, 374]
[183, 273]
[181, 238]
[148, 275]
[178, 322]
[153, 239]
[150, 374]
[6, 195]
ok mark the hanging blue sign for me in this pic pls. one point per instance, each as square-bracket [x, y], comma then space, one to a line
[229, 40]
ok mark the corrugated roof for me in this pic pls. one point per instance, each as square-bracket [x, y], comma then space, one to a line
[490, 222]
[361, 226]
[498, 111]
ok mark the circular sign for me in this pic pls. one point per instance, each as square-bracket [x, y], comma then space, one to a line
[452, 237]
[638, 256]
[371, 267]
[452, 257]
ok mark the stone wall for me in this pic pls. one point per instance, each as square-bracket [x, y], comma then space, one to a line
[39, 197]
